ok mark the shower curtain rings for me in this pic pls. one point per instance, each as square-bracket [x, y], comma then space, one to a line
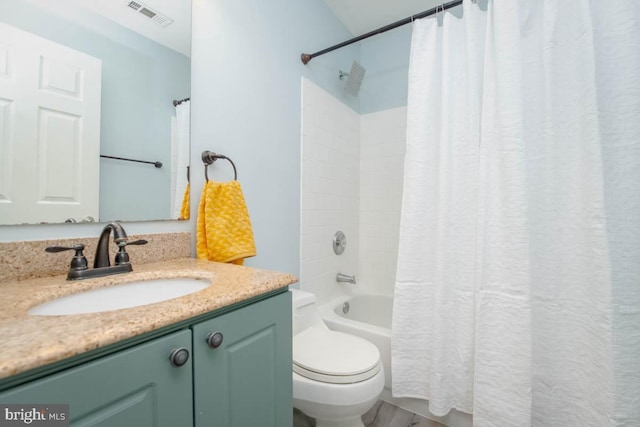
[441, 7]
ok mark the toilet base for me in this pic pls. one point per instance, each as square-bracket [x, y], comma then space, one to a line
[336, 405]
[335, 416]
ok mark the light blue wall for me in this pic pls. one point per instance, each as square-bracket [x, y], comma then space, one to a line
[246, 104]
[141, 129]
[246, 96]
[140, 78]
[386, 58]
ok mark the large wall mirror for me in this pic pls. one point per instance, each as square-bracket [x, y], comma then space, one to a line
[87, 91]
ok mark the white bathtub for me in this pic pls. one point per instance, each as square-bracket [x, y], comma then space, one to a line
[369, 316]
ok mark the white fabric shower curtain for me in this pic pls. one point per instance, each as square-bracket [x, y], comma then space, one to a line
[180, 156]
[517, 295]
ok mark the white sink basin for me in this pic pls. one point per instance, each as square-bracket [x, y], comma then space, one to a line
[127, 295]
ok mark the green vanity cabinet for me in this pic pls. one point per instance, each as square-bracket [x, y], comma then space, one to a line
[242, 376]
[138, 387]
[238, 374]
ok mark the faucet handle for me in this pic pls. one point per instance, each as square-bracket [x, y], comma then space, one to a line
[136, 242]
[78, 262]
[53, 249]
[122, 257]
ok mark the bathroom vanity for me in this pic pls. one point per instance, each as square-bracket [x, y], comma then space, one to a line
[218, 357]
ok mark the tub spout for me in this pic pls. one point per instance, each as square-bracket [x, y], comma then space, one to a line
[344, 278]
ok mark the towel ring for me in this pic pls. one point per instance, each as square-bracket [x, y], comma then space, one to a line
[208, 157]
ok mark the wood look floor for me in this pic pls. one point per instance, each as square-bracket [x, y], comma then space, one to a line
[383, 414]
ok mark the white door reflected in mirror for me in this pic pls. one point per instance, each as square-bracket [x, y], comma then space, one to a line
[145, 67]
[50, 115]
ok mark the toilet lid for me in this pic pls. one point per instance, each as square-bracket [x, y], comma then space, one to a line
[330, 356]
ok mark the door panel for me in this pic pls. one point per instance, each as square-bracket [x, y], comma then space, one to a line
[137, 387]
[246, 381]
[50, 120]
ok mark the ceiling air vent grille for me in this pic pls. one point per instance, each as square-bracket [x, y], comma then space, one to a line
[148, 12]
[135, 6]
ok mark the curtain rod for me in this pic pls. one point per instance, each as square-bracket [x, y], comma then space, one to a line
[178, 102]
[306, 57]
[156, 164]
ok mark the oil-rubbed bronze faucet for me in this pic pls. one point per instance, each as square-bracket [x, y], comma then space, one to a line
[102, 251]
[79, 268]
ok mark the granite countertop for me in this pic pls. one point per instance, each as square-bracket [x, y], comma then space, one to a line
[30, 341]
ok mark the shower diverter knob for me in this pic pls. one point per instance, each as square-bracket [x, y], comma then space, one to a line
[339, 242]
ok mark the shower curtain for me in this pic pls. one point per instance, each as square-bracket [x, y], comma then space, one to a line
[180, 160]
[517, 295]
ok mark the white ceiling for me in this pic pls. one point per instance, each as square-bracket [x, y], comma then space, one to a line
[362, 16]
[359, 16]
[176, 36]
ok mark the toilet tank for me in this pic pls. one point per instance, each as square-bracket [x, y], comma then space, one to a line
[304, 311]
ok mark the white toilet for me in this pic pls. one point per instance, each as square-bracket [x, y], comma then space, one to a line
[337, 377]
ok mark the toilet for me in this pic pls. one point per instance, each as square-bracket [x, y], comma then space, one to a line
[337, 377]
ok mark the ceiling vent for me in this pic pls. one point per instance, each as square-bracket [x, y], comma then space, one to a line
[148, 12]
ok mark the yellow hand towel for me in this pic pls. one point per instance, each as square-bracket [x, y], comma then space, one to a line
[184, 210]
[224, 231]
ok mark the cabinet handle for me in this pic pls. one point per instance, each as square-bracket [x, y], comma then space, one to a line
[179, 356]
[214, 339]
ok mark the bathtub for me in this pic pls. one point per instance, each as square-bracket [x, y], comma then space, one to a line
[368, 316]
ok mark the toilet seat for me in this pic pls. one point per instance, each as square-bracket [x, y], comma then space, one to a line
[334, 357]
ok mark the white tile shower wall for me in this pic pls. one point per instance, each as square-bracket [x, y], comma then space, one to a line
[382, 149]
[330, 187]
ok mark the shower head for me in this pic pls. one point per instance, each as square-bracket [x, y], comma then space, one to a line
[354, 78]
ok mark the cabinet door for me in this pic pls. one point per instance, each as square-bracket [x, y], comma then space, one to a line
[246, 381]
[137, 387]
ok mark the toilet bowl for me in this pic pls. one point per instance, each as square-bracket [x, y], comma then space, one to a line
[337, 377]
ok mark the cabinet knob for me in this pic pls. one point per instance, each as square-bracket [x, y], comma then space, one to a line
[214, 339]
[179, 356]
